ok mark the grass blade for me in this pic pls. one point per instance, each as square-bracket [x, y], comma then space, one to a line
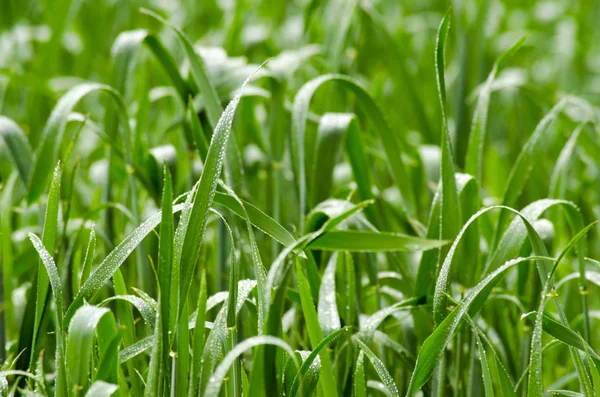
[18, 147]
[390, 387]
[449, 208]
[435, 344]
[474, 158]
[113, 261]
[301, 148]
[213, 105]
[80, 336]
[308, 361]
[204, 196]
[216, 380]
[365, 241]
[327, 380]
[40, 291]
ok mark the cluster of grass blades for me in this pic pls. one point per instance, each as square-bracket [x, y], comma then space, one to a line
[361, 212]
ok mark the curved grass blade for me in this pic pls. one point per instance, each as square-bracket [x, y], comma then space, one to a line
[308, 361]
[204, 196]
[198, 69]
[370, 325]
[135, 349]
[216, 380]
[113, 261]
[40, 290]
[516, 233]
[561, 333]
[509, 246]
[57, 290]
[147, 311]
[123, 51]
[80, 336]
[332, 128]
[18, 147]
[450, 219]
[47, 154]
[390, 387]
[429, 260]
[563, 164]
[259, 219]
[522, 168]
[436, 343]
[535, 386]
[566, 393]
[302, 148]
[474, 158]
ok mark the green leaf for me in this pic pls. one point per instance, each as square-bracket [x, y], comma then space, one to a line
[198, 341]
[47, 153]
[332, 128]
[259, 219]
[198, 69]
[360, 386]
[204, 196]
[123, 51]
[370, 325]
[80, 342]
[57, 290]
[160, 355]
[485, 369]
[474, 160]
[147, 311]
[19, 150]
[436, 343]
[329, 317]
[450, 218]
[390, 387]
[40, 290]
[105, 270]
[197, 132]
[536, 144]
[367, 241]
[303, 147]
[216, 380]
[592, 367]
[308, 361]
[327, 380]
[562, 333]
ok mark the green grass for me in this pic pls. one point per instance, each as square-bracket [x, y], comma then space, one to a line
[299, 198]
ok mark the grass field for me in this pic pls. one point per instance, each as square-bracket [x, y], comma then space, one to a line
[299, 198]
